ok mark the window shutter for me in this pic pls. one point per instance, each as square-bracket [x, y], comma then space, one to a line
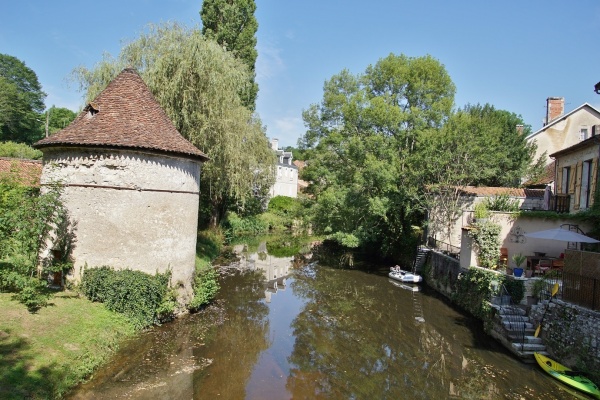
[559, 178]
[577, 184]
[593, 181]
[572, 179]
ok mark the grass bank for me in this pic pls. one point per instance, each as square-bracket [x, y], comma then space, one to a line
[43, 355]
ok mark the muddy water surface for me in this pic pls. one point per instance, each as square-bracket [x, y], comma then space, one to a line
[306, 332]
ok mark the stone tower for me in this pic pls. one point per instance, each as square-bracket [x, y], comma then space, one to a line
[131, 184]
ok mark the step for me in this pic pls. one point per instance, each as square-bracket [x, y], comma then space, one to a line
[516, 325]
[514, 318]
[529, 347]
[517, 335]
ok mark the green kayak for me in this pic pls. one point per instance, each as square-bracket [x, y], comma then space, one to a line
[567, 375]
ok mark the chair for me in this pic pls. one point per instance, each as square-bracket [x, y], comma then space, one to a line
[543, 266]
[503, 257]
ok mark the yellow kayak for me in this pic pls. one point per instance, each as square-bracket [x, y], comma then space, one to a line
[567, 375]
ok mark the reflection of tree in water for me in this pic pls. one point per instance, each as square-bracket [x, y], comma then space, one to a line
[237, 344]
[349, 346]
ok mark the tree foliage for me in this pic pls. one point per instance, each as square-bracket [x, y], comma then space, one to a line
[361, 140]
[478, 146]
[19, 150]
[21, 101]
[197, 84]
[26, 219]
[58, 118]
[231, 23]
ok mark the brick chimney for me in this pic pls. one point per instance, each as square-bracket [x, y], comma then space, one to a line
[275, 144]
[555, 107]
[520, 129]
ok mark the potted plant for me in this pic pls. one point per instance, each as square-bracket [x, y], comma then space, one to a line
[518, 259]
[480, 212]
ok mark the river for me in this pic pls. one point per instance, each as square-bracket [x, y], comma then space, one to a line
[283, 330]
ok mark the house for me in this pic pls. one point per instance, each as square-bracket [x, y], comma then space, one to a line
[286, 176]
[446, 234]
[576, 175]
[27, 172]
[564, 130]
[130, 184]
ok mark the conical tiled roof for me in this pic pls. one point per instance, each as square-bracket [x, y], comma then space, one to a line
[126, 115]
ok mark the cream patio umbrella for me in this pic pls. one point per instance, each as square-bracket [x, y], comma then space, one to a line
[562, 235]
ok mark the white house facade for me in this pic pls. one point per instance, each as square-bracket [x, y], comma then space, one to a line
[286, 174]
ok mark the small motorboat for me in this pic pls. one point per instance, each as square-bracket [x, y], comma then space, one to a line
[567, 376]
[404, 276]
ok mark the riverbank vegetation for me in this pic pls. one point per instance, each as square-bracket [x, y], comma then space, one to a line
[385, 146]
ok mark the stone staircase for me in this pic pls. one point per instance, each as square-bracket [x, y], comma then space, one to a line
[512, 328]
[421, 258]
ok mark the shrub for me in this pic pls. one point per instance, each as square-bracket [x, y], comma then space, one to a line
[19, 150]
[234, 225]
[502, 202]
[486, 236]
[143, 298]
[284, 206]
[206, 286]
[26, 220]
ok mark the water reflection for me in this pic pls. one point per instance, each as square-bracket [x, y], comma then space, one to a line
[283, 330]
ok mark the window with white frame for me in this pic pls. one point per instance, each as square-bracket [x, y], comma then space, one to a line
[583, 133]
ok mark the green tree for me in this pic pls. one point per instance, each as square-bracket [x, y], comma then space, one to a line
[58, 118]
[19, 150]
[479, 146]
[361, 139]
[232, 24]
[21, 101]
[196, 82]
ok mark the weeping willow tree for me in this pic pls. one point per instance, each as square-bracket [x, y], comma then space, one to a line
[199, 86]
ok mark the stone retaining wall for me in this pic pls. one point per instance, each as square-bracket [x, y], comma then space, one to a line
[571, 334]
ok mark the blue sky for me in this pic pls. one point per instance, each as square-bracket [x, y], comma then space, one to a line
[512, 54]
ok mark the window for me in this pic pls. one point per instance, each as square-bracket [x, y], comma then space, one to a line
[586, 173]
[583, 133]
[566, 175]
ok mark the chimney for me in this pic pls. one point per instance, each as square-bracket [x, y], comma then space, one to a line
[520, 129]
[275, 144]
[555, 107]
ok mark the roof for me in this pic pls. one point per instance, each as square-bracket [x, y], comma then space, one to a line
[124, 115]
[497, 191]
[557, 119]
[300, 164]
[594, 140]
[546, 178]
[27, 172]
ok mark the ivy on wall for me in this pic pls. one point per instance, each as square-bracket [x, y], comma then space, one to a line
[486, 235]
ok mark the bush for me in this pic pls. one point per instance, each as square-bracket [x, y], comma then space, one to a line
[145, 299]
[236, 226]
[284, 206]
[206, 286]
[502, 202]
[26, 219]
[19, 150]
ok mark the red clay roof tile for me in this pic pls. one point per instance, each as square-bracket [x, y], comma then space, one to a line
[126, 115]
[27, 172]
